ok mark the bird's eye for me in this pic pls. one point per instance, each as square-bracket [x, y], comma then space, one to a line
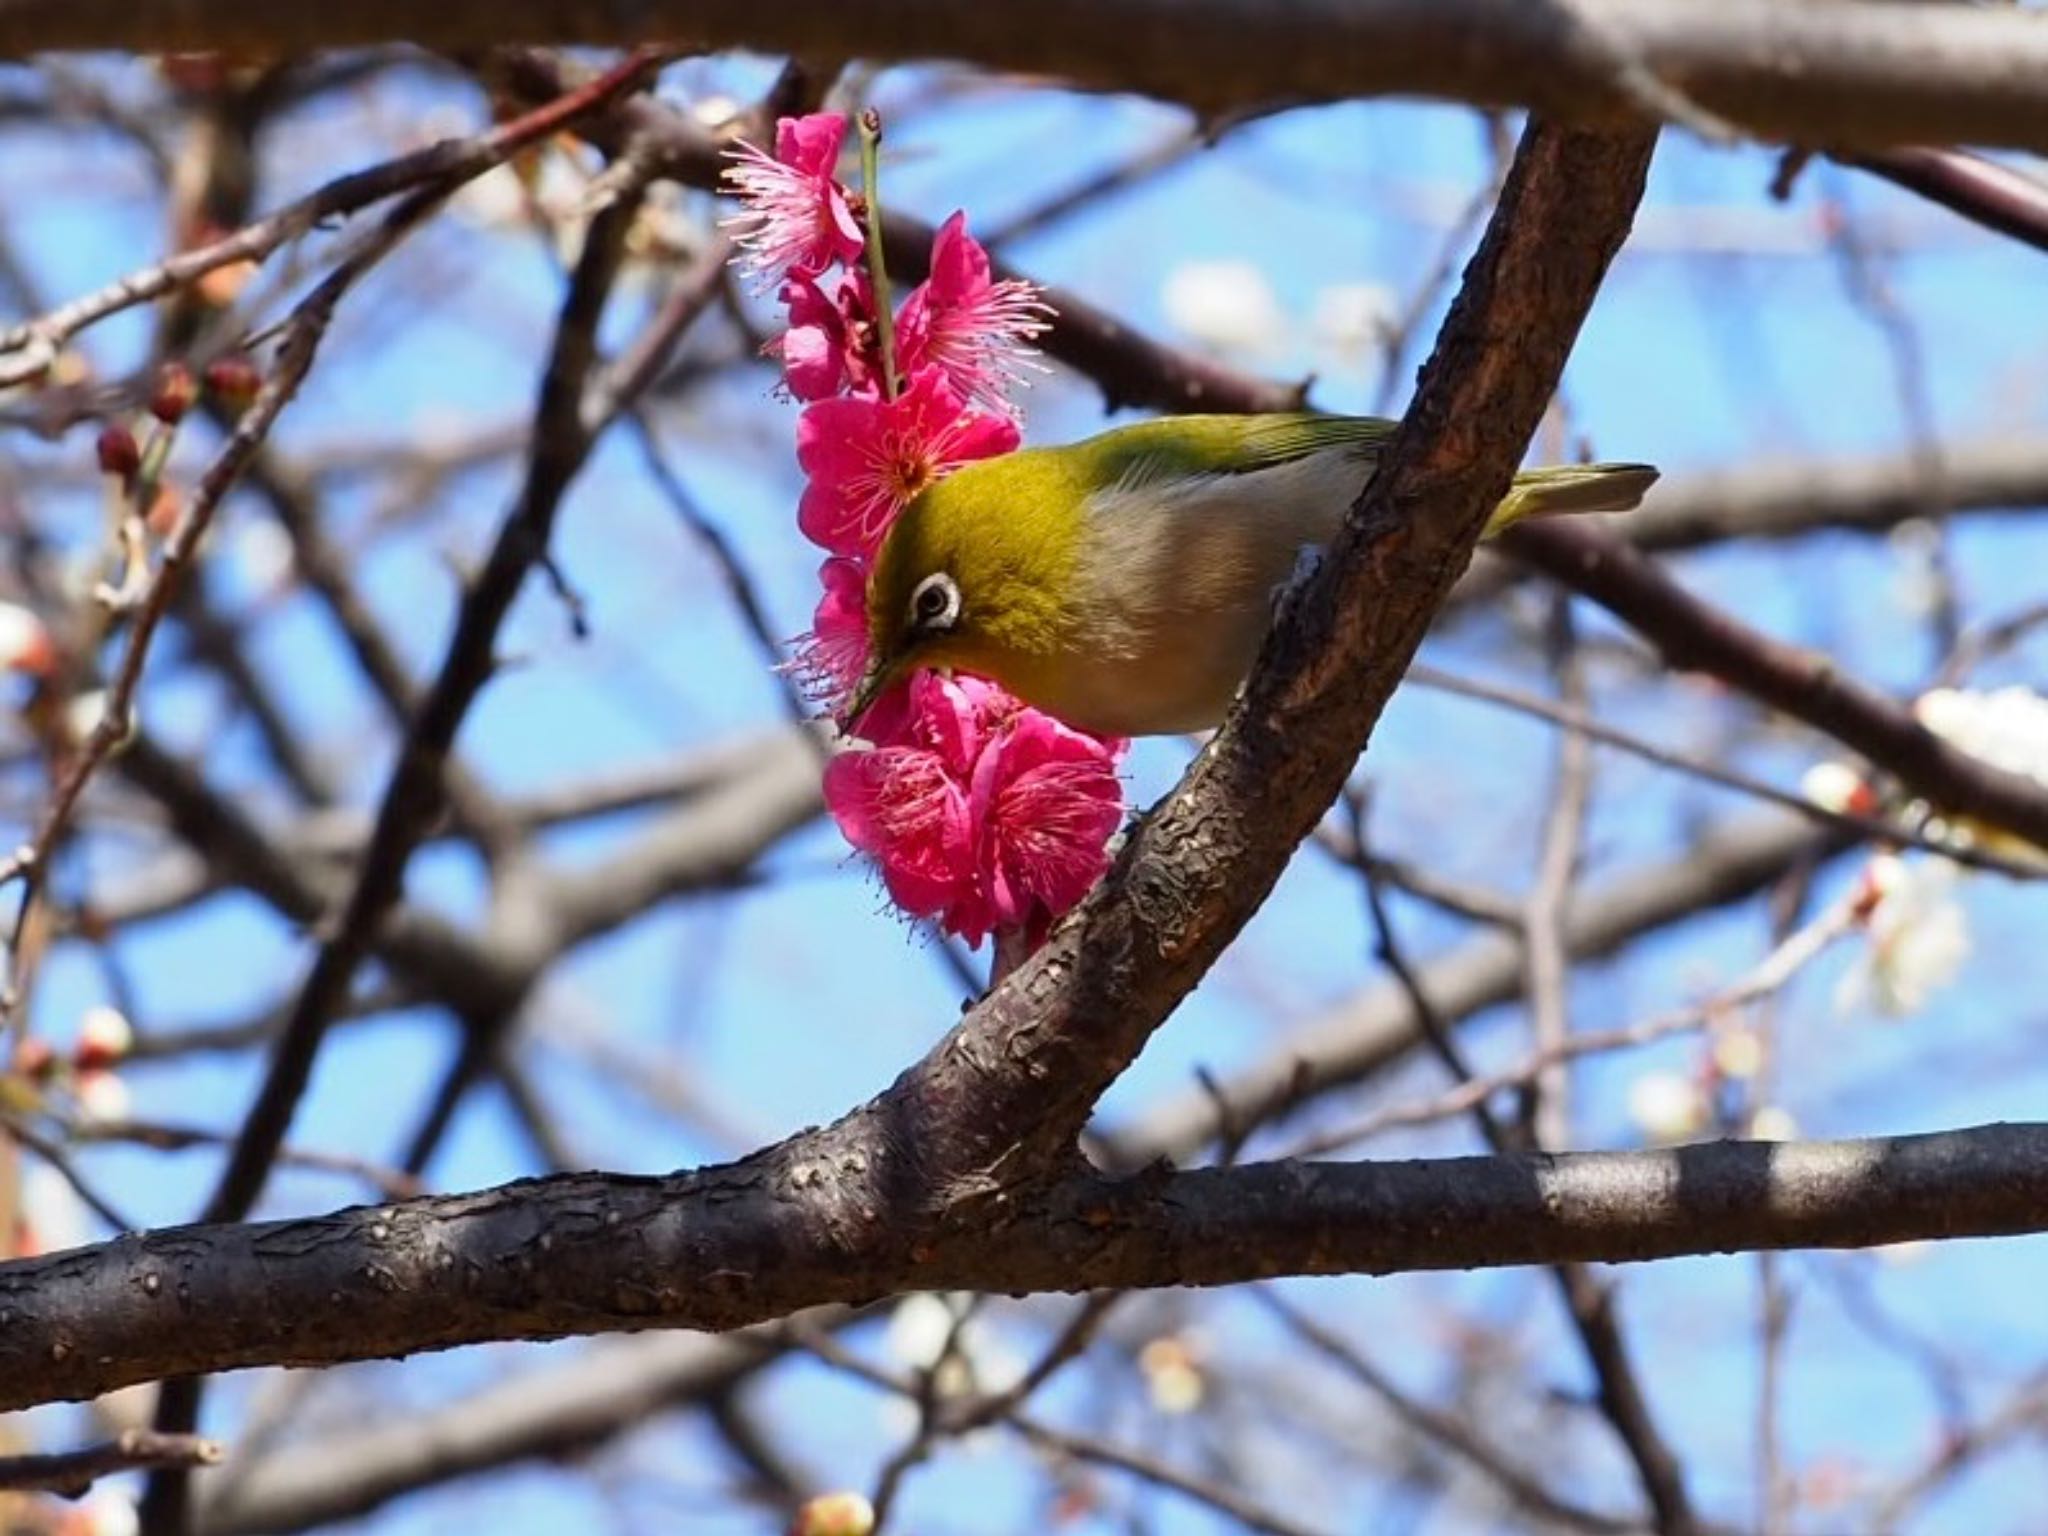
[935, 605]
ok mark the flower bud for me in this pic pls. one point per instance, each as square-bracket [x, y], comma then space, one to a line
[103, 1098]
[34, 1059]
[25, 645]
[834, 1514]
[233, 381]
[176, 389]
[118, 452]
[104, 1037]
[1667, 1107]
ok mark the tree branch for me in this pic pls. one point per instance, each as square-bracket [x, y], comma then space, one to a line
[1695, 637]
[71, 1473]
[548, 1414]
[1038, 1052]
[1981, 190]
[1837, 75]
[725, 1247]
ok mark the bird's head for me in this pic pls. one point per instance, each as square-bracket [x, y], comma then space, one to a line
[977, 573]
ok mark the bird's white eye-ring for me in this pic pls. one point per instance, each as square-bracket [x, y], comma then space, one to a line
[935, 604]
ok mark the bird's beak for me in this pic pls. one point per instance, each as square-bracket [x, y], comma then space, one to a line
[880, 676]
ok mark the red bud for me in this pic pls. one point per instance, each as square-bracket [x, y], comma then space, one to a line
[118, 452]
[233, 381]
[176, 389]
[104, 1038]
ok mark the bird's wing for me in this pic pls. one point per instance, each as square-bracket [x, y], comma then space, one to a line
[1182, 446]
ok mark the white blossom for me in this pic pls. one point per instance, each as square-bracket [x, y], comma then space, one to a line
[1226, 306]
[24, 643]
[1352, 321]
[1172, 1366]
[1667, 1106]
[921, 1327]
[1772, 1123]
[1832, 786]
[103, 1099]
[105, 1032]
[106, 1512]
[2007, 727]
[83, 714]
[1918, 937]
[1739, 1052]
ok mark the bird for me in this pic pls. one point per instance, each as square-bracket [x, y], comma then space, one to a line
[1123, 583]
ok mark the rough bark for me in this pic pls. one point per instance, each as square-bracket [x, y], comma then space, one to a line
[1832, 75]
[794, 1228]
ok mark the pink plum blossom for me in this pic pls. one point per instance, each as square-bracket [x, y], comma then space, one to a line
[980, 812]
[866, 458]
[1044, 803]
[904, 800]
[831, 658]
[973, 329]
[797, 217]
[828, 346]
[900, 806]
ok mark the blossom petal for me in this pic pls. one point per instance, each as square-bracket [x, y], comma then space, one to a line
[1045, 801]
[830, 659]
[810, 144]
[795, 216]
[899, 805]
[976, 331]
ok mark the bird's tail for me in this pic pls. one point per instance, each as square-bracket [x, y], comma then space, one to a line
[1568, 488]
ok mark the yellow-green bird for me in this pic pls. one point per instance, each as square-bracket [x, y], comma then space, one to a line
[1124, 583]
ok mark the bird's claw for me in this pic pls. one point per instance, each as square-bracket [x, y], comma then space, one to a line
[1308, 559]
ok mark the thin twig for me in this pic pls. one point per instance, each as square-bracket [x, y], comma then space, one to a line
[1864, 828]
[414, 793]
[1545, 961]
[54, 1154]
[1525, 1488]
[1694, 636]
[1769, 976]
[1227, 1501]
[71, 1473]
[446, 165]
[1990, 193]
[389, 1183]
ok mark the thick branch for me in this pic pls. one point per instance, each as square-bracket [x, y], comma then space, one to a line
[1694, 636]
[1838, 75]
[726, 1247]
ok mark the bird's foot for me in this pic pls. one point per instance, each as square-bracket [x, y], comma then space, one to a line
[1307, 561]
